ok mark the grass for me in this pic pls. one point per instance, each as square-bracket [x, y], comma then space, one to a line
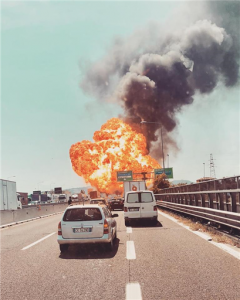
[197, 226]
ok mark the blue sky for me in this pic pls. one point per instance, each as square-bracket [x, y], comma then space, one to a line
[44, 112]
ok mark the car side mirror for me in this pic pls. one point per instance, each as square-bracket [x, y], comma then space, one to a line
[114, 215]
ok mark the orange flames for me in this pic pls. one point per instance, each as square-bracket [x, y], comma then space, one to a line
[117, 147]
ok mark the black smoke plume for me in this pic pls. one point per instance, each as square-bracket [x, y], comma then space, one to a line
[153, 75]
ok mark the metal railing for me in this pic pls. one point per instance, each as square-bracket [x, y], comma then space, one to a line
[226, 200]
[217, 216]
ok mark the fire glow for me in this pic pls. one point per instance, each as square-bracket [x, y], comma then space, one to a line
[116, 147]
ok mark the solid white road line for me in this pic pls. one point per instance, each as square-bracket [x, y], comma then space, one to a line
[129, 229]
[133, 291]
[131, 254]
[224, 247]
[38, 241]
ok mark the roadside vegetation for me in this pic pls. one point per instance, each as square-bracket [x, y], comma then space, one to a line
[216, 235]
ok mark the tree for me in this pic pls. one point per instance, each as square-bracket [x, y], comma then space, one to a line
[159, 183]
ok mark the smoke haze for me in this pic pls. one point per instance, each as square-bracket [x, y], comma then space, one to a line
[157, 71]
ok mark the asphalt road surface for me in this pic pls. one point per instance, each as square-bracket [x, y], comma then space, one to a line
[148, 262]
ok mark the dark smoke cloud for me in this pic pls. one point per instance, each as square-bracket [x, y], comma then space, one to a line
[155, 76]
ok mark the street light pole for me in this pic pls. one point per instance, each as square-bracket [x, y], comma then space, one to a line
[145, 122]
[168, 160]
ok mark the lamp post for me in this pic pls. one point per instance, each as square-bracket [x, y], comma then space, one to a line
[168, 160]
[145, 122]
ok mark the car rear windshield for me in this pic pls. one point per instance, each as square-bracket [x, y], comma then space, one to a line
[82, 214]
[140, 197]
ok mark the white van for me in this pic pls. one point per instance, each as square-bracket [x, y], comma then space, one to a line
[140, 205]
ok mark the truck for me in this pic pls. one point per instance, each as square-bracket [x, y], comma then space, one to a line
[63, 198]
[8, 195]
[93, 194]
[129, 186]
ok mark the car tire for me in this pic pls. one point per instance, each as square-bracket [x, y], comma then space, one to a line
[63, 248]
[110, 245]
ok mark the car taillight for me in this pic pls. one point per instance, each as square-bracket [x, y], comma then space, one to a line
[105, 227]
[155, 208]
[125, 209]
[59, 229]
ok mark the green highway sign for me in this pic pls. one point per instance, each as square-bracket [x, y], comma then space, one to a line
[167, 171]
[124, 176]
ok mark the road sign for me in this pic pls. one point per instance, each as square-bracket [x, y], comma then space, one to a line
[124, 176]
[167, 171]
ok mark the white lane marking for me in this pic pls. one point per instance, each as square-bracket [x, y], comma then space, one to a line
[131, 254]
[224, 247]
[133, 291]
[129, 229]
[38, 241]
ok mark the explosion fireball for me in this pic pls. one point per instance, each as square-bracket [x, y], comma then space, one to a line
[116, 147]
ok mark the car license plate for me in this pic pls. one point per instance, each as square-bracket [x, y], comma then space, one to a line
[78, 230]
[115, 203]
[134, 209]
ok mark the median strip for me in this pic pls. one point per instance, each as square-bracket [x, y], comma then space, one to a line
[38, 241]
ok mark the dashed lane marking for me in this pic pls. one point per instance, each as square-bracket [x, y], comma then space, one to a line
[131, 254]
[38, 241]
[133, 291]
[129, 229]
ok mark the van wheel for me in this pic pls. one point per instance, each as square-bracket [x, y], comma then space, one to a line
[63, 248]
[127, 223]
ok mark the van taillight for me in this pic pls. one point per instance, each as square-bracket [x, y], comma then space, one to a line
[155, 208]
[125, 209]
[105, 227]
[59, 229]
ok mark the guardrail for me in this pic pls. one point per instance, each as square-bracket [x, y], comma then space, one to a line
[221, 217]
[226, 200]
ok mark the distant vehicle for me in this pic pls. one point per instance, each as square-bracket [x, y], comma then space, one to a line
[8, 195]
[62, 198]
[85, 224]
[134, 186]
[74, 197]
[140, 205]
[99, 201]
[34, 202]
[93, 194]
[116, 203]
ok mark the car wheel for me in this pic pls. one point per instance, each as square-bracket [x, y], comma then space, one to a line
[110, 245]
[63, 248]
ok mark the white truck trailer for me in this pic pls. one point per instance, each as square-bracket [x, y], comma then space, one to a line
[132, 186]
[8, 195]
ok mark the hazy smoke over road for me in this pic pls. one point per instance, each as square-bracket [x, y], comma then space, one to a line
[153, 74]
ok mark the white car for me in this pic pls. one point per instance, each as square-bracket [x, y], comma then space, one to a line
[140, 205]
[84, 224]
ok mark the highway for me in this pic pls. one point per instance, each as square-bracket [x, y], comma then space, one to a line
[149, 262]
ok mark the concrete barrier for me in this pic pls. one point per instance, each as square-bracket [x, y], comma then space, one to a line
[31, 212]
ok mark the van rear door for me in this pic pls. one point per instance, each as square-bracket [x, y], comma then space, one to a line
[147, 204]
[133, 205]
